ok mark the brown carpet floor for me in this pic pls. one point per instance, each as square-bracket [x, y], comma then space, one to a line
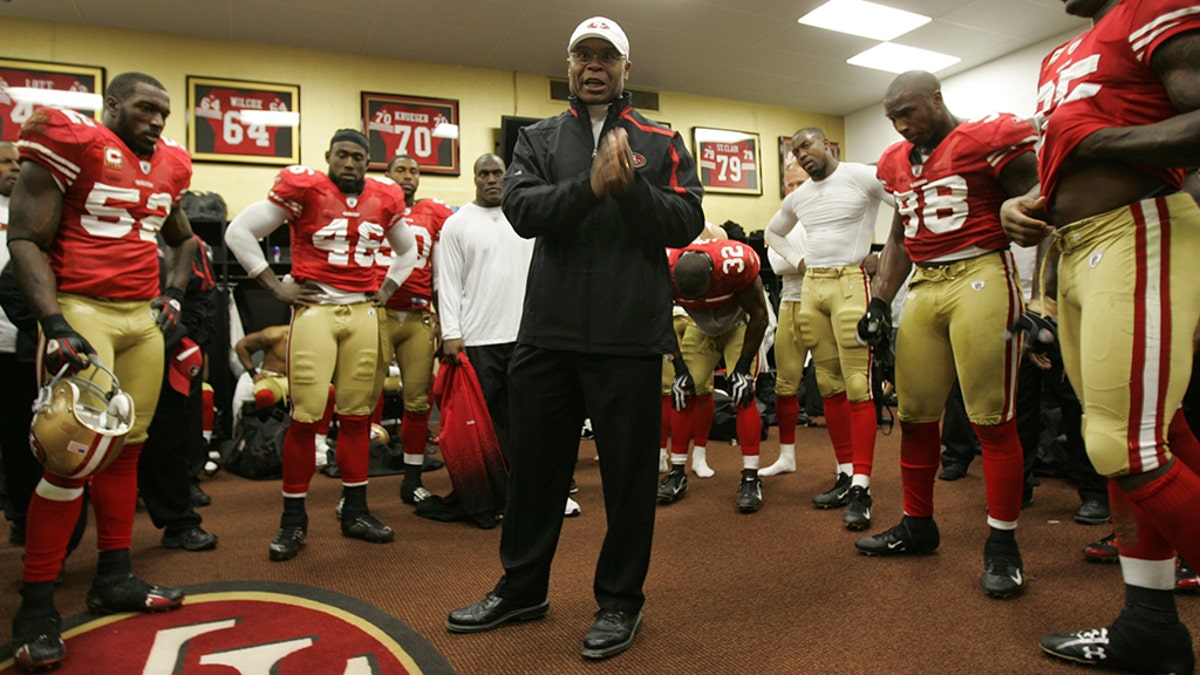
[780, 591]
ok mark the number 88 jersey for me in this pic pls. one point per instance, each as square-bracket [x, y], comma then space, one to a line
[114, 203]
[950, 201]
[336, 238]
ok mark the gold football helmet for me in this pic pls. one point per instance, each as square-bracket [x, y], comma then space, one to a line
[79, 427]
[378, 433]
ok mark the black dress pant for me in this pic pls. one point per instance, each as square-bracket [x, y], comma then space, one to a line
[22, 471]
[164, 478]
[491, 367]
[550, 392]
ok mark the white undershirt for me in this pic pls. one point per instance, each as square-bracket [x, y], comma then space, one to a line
[838, 214]
[479, 270]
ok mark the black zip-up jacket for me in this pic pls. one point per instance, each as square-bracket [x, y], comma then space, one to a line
[599, 280]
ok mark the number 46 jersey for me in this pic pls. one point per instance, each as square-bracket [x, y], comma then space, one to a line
[114, 203]
[336, 238]
[950, 201]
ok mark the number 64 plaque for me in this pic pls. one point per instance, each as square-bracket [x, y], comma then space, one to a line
[243, 122]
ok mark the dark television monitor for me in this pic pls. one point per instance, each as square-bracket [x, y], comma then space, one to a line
[509, 124]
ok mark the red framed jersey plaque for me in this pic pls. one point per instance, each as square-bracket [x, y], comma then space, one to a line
[243, 122]
[426, 129]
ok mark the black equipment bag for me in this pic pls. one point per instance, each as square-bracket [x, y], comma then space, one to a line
[257, 452]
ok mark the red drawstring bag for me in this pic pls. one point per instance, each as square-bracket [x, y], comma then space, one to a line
[468, 442]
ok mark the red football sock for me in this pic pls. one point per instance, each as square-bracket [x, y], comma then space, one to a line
[354, 448]
[300, 457]
[1003, 468]
[837, 421]
[1136, 537]
[53, 511]
[702, 421]
[1172, 504]
[414, 431]
[920, 443]
[1183, 442]
[863, 423]
[207, 408]
[787, 413]
[667, 409]
[682, 422]
[749, 429]
[114, 500]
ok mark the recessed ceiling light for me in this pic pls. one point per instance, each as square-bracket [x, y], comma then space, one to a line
[895, 58]
[865, 19]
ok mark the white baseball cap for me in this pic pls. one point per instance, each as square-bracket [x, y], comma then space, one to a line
[600, 27]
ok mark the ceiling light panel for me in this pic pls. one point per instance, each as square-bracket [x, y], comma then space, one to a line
[865, 19]
[895, 58]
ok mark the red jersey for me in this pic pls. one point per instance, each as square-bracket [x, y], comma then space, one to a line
[336, 238]
[425, 219]
[114, 203]
[1103, 79]
[735, 267]
[950, 203]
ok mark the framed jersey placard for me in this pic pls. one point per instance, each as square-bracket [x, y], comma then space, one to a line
[25, 85]
[243, 122]
[426, 129]
[728, 161]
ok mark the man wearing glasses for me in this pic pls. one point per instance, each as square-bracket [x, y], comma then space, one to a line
[603, 191]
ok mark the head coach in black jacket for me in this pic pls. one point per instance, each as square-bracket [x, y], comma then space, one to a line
[604, 191]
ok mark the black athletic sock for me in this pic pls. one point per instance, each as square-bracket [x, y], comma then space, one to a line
[294, 514]
[749, 474]
[1001, 542]
[113, 564]
[355, 503]
[37, 596]
[1151, 603]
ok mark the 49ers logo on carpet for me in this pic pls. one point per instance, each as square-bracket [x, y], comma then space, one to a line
[251, 628]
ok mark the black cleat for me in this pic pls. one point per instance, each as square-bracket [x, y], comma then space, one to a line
[1003, 576]
[287, 543]
[858, 509]
[912, 536]
[413, 493]
[750, 496]
[368, 528]
[131, 594]
[836, 496]
[673, 487]
[37, 642]
[1133, 643]
[1103, 550]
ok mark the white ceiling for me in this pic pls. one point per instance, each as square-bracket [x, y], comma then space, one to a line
[747, 50]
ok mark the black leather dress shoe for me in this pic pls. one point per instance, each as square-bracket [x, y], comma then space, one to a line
[611, 634]
[492, 612]
[191, 539]
[1092, 512]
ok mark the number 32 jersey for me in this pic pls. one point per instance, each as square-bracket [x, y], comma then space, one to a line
[735, 267]
[114, 203]
[336, 238]
[950, 201]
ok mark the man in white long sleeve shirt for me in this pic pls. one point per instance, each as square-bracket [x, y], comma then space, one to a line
[837, 209]
[480, 266]
[338, 221]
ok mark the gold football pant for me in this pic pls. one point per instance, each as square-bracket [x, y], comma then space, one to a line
[410, 340]
[337, 344]
[1129, 301]
[834, 299]
[790, 351]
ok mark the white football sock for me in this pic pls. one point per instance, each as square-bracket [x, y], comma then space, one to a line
[700, 462]
[786, 462]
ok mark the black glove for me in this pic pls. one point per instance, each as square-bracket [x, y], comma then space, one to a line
[167, 309]
[64, 346]
[874, 324]
[1041, 332]
[683, 384]
[741, 383]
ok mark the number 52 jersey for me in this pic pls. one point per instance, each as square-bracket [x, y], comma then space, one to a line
[114, 203]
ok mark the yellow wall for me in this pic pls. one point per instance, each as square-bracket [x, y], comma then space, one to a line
[330, 84]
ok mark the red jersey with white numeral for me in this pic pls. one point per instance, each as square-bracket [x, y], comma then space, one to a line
[425, 219]
[1103, 79]
[735, 267]
[114, 203]
[950, 201]
[336, 238]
